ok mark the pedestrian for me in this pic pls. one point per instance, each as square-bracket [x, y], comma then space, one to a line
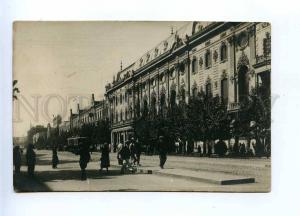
[242, 149]
[30, 159]
[84, 159]
[199, 149]
[132, 149]
[17, 159]
[162, 152]
[124, 155]
[138, 152]
[180, 146]
[104, 160]
[119, 148]
[177, 145]
[55, 160]
[267, 150]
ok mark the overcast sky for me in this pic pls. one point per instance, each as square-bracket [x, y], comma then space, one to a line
[55, 61]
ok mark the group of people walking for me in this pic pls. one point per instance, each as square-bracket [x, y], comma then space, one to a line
[128, 156]
[30, 159]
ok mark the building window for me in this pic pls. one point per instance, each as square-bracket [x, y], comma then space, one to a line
[182, 68]
[173, 98]
[224, 90]
[267, 45]
[194, 65]
[162, 78]
[182, 94]
[208, 89]
[208, 59]
[121, 97]
[223, 52]
[153, 82]
[194, 92]
[172, 73]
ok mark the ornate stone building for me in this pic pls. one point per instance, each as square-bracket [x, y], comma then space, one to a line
[219, 58]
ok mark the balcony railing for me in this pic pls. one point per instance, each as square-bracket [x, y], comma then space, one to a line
[263, 60]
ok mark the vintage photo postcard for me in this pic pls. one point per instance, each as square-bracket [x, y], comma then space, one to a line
[142, 106]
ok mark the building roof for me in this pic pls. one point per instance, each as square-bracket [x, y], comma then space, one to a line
[165, 46]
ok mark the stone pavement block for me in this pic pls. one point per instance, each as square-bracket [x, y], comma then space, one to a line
[203, 176]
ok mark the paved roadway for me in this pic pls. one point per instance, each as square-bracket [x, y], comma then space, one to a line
[67, 176]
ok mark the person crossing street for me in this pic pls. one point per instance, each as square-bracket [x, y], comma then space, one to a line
[162, 147]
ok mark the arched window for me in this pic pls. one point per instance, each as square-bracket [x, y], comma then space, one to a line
[162, 78]
[153, 105]
[162, 100]
[182, 94]
[224, 90]
[208, 59]
[194, 91]
[172, 73]
[223, 52]
[173, 98]
[194, 65]
[145, 108]
[153, 82]
[208, 89]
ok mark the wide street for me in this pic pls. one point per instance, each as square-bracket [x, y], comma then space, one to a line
[175, 176]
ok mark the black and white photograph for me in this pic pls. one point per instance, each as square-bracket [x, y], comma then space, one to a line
[138, 106]
[149, 108]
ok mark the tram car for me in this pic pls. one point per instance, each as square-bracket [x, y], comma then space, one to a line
[73, 143]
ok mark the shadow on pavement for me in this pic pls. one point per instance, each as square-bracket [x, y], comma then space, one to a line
[57, 175]
[49, 161]
[23, 183]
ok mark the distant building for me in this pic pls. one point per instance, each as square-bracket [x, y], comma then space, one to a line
[64, 127]
[96, 112]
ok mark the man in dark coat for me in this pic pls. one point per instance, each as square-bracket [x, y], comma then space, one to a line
[30, 159]
[55, 160]
[17, 159]
[132, 149]
[125, 156]
[104, 160]
[138, 151]
[162, 147]
[84, 159]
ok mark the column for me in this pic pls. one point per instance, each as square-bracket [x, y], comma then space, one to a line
[232, 94]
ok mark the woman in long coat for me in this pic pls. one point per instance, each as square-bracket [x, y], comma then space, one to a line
[17, 159]
[84, 159]
[104, 160]
[55, 160]
[30, 159]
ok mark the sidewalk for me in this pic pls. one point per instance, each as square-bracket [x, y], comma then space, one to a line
[180, 174]
[204, 168]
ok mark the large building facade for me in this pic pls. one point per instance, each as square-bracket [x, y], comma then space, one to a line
[219, 58]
